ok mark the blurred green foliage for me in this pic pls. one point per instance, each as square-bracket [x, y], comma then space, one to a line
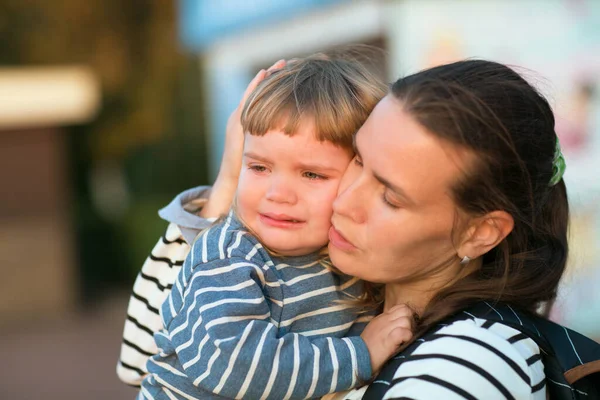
[150, 124]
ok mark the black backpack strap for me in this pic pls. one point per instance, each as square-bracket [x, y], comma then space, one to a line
[571, 360]
[577, 353]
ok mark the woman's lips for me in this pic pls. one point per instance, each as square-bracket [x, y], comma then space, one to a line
[336, 239]
[281, 221]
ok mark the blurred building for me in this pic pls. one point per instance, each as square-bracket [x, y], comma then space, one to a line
[37, 248]
[556, 42]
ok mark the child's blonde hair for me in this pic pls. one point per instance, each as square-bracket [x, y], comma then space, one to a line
[336, 93]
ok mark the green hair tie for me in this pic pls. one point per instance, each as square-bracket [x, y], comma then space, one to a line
[558, 165]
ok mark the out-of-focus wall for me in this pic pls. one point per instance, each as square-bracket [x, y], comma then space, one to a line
[87, 155]
[37, 247]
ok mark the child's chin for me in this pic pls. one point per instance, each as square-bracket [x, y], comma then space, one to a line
[291, 251]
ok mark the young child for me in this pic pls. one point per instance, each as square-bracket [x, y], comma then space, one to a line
[253, 291]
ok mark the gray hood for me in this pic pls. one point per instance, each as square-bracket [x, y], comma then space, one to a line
[182, 211]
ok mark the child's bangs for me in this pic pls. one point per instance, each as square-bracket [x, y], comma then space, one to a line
[269, 114]
[333, 121]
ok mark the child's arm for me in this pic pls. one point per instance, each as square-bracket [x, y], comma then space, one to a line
[151, 288]
[384, 334]
[228, 344]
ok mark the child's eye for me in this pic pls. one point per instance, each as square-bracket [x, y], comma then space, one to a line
[257, 168]
[358, 161]
[313, 176]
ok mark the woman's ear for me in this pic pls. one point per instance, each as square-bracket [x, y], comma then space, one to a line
[485, 233]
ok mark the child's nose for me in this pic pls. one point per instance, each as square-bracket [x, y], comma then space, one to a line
[281, 191]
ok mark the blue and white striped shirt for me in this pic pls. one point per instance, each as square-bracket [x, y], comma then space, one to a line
[243, 324]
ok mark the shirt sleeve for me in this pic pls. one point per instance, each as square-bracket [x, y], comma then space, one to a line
[465, 361]
[151, 287]
[228, 344]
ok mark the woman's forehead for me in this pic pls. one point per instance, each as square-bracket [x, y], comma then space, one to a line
[393, 145]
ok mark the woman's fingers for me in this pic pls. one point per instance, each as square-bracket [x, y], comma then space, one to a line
[251, 86]
[262, 74]
[278, 65]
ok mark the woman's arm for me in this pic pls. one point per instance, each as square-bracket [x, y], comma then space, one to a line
[152, 285]
[158, 273]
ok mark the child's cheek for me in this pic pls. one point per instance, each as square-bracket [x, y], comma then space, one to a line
[325, 204]
[245, 198]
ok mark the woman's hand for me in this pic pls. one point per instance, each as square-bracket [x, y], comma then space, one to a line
[386, 332]
[225, 185]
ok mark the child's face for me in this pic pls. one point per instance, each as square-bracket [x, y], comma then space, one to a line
[287, 187]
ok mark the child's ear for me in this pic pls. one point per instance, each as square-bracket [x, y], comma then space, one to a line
[485, 233]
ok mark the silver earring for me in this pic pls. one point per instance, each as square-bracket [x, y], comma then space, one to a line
[465, 260]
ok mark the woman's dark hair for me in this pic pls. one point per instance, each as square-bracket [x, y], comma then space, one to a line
[508, 125]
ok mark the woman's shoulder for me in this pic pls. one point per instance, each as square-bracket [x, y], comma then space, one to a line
[493, 336]
[478, 341]
[471, 358]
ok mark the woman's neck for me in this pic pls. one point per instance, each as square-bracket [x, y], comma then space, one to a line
[418, 294]
[415, 298]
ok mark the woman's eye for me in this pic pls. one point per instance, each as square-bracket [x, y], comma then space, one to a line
[313, 176]
[388, 203]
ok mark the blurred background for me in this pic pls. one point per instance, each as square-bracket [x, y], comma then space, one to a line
[110, 108]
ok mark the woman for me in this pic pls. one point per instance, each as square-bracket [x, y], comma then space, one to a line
[455, 197]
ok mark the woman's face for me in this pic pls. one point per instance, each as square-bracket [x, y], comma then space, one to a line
[394, 214]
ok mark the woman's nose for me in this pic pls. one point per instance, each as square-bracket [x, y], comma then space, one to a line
[351, 200]
[281, 191]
